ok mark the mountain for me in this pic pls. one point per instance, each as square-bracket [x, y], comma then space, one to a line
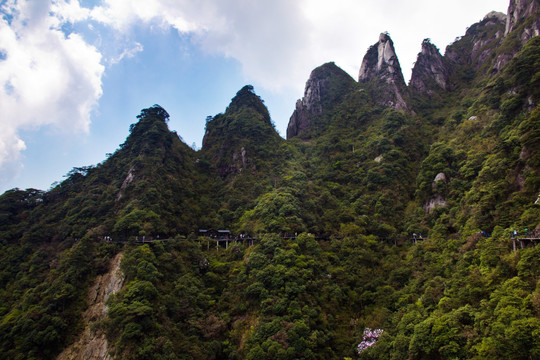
[395, 222]
[242, 147]
[430, 72]
[238, 139]
[381, 67]
[53, 242]
[523, 17]
[325, 87]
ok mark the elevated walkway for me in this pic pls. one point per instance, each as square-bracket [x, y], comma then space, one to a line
[525, 241]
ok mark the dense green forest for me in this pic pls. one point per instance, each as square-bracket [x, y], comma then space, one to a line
[377, 232]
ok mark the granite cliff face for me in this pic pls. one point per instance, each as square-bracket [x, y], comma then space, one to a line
[518, 13]
[299, 121]
[326, 85]
[522, 23]
[430, 71]
[381, 62]
[381, 65]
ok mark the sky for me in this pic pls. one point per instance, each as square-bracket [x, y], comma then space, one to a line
[74, 74]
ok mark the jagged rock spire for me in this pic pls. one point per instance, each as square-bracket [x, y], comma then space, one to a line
[381, 63]
[429, 71]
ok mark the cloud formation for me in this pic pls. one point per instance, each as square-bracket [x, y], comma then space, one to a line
[46, 77]
[50, 75]
[262, 35]
[278, 42]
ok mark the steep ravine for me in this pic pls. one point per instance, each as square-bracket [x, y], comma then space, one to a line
[92, 344]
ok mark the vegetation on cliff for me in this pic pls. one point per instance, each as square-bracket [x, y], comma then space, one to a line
[333, 212]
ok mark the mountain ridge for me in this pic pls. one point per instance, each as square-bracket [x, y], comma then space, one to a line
[367, 217]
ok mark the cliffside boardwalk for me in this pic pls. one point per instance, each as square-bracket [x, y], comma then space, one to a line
[527, 240]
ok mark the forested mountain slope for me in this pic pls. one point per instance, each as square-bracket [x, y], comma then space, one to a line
[453, 156]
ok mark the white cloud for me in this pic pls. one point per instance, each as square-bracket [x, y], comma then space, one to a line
[127, 53]
[344, 29]
[46, 77]
[267, 37]
[278, 42]
[123, 14]
[50, 78]
[69, 11]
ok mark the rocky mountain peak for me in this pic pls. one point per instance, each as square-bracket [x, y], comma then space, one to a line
[381, 64]
[326, 84]
[429, 71]
[496, 16]
[236, 140]
[246, 97]
[150, 135]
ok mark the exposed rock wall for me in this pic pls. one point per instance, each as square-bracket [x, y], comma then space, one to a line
[128, 180]
[92, 344]
[381, 61]
[437, 200]
[518, 11]
[299, 121]
[523, 17]
[309, 105]
[380, 64]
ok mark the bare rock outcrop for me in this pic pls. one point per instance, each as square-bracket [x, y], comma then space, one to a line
[430, 71]
[128, 180]
[518, 12]
[437, 200]
[238, 163]
[524, 18]
[92, 344]
[300, 120]
[381, 61]
[380, 64]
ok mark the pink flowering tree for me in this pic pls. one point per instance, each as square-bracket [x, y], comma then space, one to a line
[369, 339]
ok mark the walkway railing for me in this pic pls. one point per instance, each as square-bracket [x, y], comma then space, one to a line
[523, 241]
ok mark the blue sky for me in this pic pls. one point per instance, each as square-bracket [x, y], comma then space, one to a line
[75, 74]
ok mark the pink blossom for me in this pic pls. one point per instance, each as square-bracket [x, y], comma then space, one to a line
[369, 339]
